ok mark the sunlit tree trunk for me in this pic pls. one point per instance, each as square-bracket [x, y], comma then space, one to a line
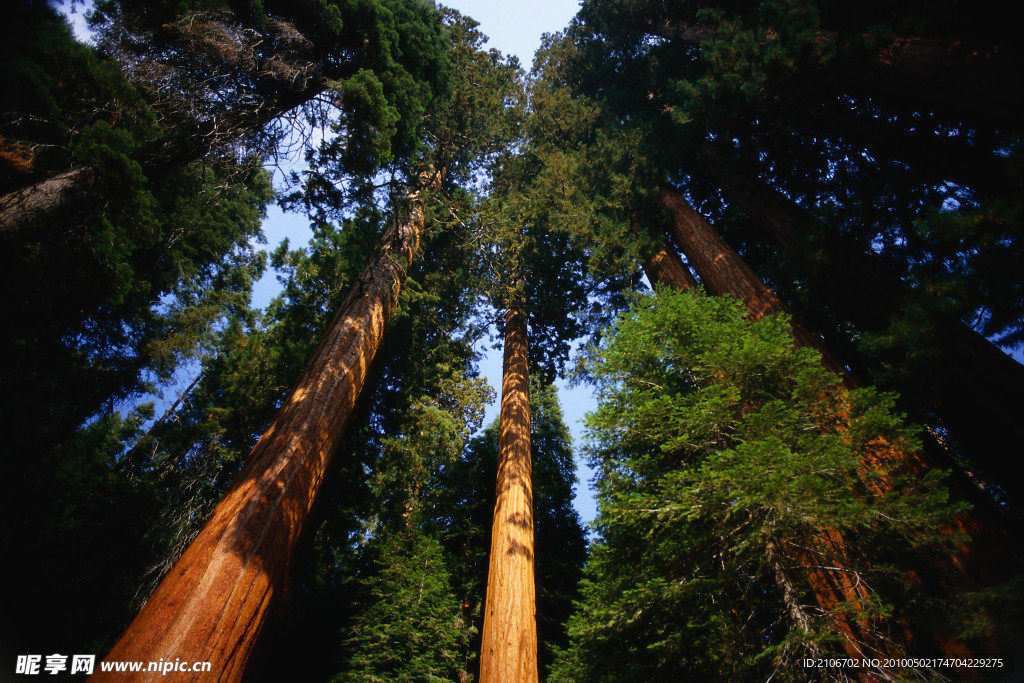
[666, 268]
[508, 651]
[212, 603]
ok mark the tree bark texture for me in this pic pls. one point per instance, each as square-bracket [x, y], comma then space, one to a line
[42, 201]
[977, 389]
[212, 604]
[666, 268]
[723, 272]
[508, 650]
[986, 559]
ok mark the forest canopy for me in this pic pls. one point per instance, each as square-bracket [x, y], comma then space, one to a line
[780, 239]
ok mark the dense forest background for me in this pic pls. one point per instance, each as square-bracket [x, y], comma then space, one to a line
[784, 235]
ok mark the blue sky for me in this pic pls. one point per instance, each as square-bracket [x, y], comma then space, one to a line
[514, 29]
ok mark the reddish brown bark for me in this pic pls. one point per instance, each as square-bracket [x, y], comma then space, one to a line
[212, 604]
[975, 389]
[724, 272]
[508, 650]
[666, 268]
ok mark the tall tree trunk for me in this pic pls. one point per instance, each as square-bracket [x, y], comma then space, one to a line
[986, 559]
[972, 386]
[212, 604]
[666, 268]
[723, 272]
[508, 650]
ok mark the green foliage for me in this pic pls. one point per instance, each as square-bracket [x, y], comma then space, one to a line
[460, 503]
[409, 627]
[537, 253]
[482, 115]
[812, 114]
[724, 456]
[894, 228]
[54, 89]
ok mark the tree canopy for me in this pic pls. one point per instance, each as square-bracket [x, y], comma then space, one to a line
[726, 462]
[858, 166]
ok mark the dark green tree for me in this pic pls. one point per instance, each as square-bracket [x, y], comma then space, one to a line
[726, 460]
[128, 146]
[800, 129]
[409, 626]
[103, 307]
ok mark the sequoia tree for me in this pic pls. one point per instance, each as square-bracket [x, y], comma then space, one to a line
[213, 601]
[976, 388]
[242, 554]
[649, 121]
[175, 110]
[508, 650]
[797, 100]
[725, 458]
[540, 282]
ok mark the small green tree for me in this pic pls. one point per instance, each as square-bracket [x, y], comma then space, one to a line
[726, 459]
[410, 628]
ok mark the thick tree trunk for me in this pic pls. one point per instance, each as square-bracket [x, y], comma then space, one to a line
[43, 201]
[666, 268]
[972, 386]
[508, 650]
[722, 272]
[212, 604]
[988, 558]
